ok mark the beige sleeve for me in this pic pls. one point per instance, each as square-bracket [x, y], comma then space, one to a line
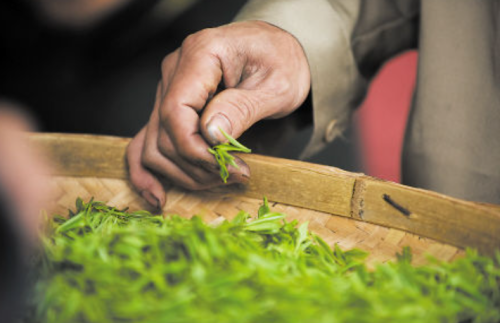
[336, 45]
[324, 29]
[384, 29]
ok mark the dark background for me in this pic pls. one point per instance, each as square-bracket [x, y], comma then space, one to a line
[103, 80]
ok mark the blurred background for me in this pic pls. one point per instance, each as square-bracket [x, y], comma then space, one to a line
[91, 66]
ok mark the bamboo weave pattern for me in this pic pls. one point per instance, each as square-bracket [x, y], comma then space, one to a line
[382, 243]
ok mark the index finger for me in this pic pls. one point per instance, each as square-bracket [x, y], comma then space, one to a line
[194, 82]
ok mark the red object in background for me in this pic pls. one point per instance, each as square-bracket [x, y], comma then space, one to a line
[381, 120]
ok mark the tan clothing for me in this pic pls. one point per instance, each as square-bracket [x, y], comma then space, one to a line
[452, 143]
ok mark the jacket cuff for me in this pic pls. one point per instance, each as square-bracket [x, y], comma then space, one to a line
[324, 30]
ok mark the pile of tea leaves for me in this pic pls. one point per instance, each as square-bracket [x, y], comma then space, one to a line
[108, 265]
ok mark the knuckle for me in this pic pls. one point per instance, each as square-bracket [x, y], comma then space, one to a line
[186, 152]
[189, 41]
[280, 85]
[165, 115]
[163, 148]
[192, 40]
[207, 32]
[246, 106]
[147, 159]
[205, 38]
[163, 143]
[166, 63]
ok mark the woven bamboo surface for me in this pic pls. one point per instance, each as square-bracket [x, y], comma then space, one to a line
[350, 209]
[382, 243]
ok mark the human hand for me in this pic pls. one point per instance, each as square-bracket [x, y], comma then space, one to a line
[23, 193]
[263, 73]
[23, 173]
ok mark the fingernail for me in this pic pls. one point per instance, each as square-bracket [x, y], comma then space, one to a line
[239, 178]
[218, 121]
[151, 199]
[244, 178]
[243, 167]
[241, 175]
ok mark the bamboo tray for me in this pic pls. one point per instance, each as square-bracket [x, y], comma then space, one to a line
[349, 209]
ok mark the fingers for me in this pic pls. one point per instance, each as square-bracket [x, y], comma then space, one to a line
[154, 160]
[23, 171]
[197, 75]
[265, 74]
[144, 181]
[160, 155]
[179, 139]
[236, 110]
[274, 80]
[147, 166]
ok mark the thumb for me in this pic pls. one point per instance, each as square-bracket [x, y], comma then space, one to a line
[234, 110]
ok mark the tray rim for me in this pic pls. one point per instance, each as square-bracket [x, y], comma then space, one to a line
[306, 185]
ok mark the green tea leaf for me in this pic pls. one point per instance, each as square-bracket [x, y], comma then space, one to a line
[223, 157]
[235, 143]
[108, 265]
[264, 208]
